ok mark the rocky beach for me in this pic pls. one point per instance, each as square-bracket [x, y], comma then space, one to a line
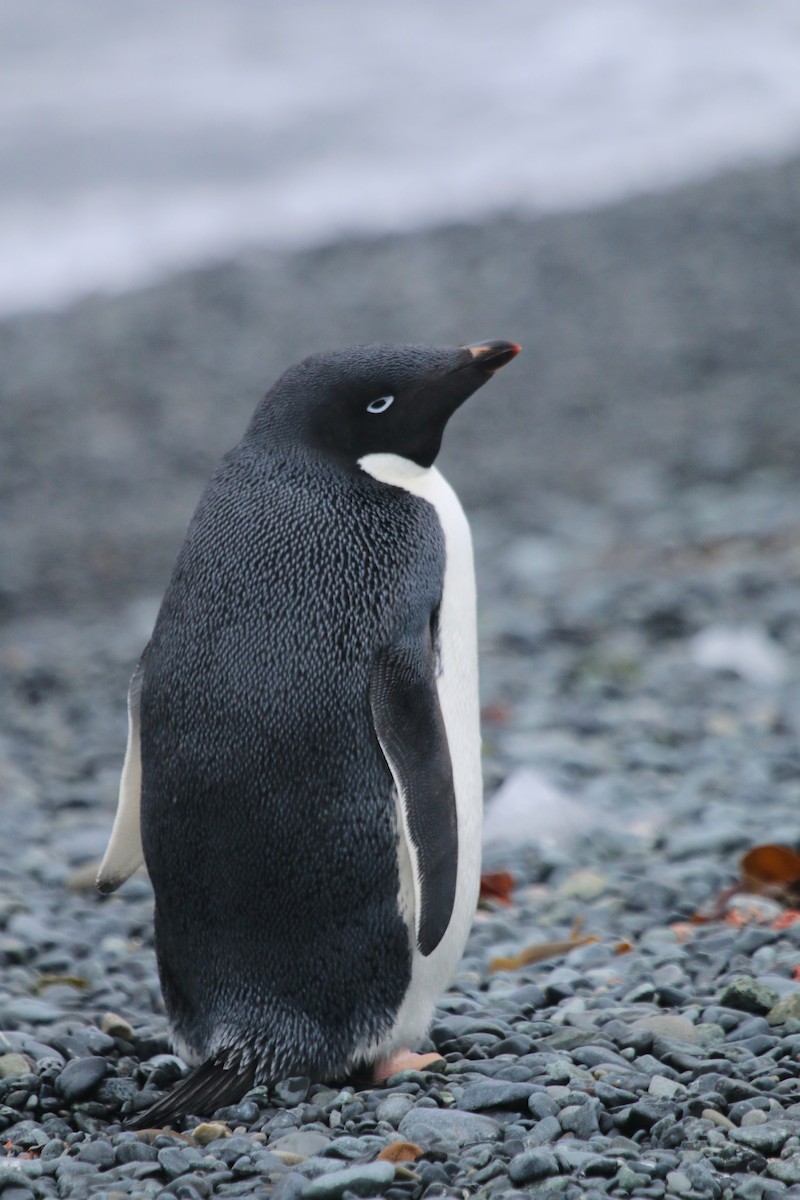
[632, 482]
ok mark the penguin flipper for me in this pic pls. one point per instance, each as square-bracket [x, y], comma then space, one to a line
[124, 853]
[220, 1081]
[410, 727]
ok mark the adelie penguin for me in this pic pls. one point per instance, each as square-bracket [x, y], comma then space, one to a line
[303, 776]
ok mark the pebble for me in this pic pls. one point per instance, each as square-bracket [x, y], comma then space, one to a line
[426, 1125]
[493, 1094]
[394, 1108]
[749, 995]
[80, 1077]
[768, 1138]
[116, 1027]
[304, 1142]
[14, 1065]
[364, 1180]
[209, 1131]
[290, 1092]
[532, 1165]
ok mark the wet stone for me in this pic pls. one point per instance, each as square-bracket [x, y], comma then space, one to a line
[496, 1094]
[14, 1065]
[305, 1142]
[545, 1132]
[767, 1139]
[426, 1125]
[365, 1180]
[531, 1166]
[748, 994]
[394, 1108]
[101, 1153]
[130, 1152]
[80, 1077]
[290, 1092]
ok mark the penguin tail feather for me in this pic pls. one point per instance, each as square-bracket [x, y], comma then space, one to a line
[222, 1080]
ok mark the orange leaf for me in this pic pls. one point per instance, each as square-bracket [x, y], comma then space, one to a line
[495, 714]
[533, 954]
[400, 1152]
[623, 947]
[498, 886]
[796, 973]
[737, 918]
[786, 919]
[771, 865]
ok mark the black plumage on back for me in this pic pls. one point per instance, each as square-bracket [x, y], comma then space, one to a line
[300, 615]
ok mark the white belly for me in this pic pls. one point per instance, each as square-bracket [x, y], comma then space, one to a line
[457, 686]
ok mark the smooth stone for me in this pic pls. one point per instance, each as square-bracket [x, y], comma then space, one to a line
[116, 1027]
[305, 1142]
[28, 1010]
[532, 1165]
[292, 1091]
[679, 1183]
[14, 1065]
[786, 1170]
[174, 1162]
[579, 1119]
[748, 994]
[718, 1118]
[425, 1125]
[544, 1133]
[667, 1025]
[496, 1094]
[80, 1077]
[663, 1088]
[99, 1152]
[767, 1139]
[363, 1180]
[786, 1009]
[135, 1152]
[394, 1108]
[209, 1131]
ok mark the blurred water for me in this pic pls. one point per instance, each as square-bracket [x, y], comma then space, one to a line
[139, 137]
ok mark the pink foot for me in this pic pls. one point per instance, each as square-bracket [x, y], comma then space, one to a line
[404, 1060]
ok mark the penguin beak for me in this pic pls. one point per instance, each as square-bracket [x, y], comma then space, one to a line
[491, 356]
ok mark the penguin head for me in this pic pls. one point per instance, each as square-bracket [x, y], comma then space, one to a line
[376, 399]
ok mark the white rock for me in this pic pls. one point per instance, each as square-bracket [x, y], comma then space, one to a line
[746, 650]
[527, 809]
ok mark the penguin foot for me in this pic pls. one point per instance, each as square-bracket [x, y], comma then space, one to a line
[405, 1060]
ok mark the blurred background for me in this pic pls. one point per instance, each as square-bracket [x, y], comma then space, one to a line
[194, 196]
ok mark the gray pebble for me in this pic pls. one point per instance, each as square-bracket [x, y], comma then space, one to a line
[290, 1092]
[394, 1108]
[748, 994]
[768, 1139]
[99, 1152]
[531, 1166]
[496, 1094]
[580, 1119]
[364, 1180]
[545, 1132]
[426, 1125]
[80, 1077]
[303, 1141]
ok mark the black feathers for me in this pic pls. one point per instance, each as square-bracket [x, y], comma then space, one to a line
[220, 1081]
[408, 720]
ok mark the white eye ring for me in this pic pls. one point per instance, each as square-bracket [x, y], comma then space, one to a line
[380, 405]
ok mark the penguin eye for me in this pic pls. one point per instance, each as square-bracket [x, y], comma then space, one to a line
[380, 405]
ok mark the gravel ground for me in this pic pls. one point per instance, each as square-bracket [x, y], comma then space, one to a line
[661, 1058]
